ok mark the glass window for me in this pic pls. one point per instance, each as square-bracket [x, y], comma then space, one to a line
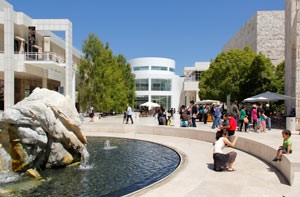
[172, 69]
[159, 68]
[197, 75]
[141, 85]
[164, 101]
[138, 68]
[161, 84]
[140, 100]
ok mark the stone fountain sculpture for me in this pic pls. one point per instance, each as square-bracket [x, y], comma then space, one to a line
[42, 131]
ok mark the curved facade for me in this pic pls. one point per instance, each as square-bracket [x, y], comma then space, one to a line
[156, 81]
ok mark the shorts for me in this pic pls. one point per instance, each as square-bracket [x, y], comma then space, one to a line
[263, 123]
[183, 123]
[258, 123]
[284, 150]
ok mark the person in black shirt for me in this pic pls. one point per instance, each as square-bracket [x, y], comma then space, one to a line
[268, 113]
[194, 113]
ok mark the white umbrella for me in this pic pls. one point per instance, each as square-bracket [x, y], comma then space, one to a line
[267, 96]
[150, 104]
[207, 102]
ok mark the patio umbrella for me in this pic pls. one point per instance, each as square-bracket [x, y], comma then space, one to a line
[207, 102]
[267, 97]
[150, 104]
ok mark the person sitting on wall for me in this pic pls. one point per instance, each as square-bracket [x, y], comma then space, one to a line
[231, 127]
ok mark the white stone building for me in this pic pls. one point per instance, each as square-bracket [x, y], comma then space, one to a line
[265, 33]
[31, 55]
[156, 81]
[292, 60]
[191, 81]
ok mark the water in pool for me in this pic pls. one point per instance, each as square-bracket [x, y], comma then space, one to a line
[116, 167]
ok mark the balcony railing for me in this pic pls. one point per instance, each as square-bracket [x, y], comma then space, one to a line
[44, 56]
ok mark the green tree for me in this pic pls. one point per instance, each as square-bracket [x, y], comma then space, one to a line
[258, 78]
[103, 84]
[278, 82]
[128, 78]
[225, 75]
[239, 73]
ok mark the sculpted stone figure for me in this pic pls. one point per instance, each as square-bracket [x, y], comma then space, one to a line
[43, 130]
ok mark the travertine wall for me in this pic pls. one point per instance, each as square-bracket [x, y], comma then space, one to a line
[292, 60]
[245, 37]
[264, 32]
[271, 35]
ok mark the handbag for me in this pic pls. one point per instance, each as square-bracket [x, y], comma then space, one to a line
[246, 120]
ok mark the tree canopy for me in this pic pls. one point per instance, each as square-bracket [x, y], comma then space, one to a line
[106, 81]
[241, 74]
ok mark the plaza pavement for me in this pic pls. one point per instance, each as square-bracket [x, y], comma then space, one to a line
[195, 177]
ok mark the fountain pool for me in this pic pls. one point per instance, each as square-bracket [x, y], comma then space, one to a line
[130, 166]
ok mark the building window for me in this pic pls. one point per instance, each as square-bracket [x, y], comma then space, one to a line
[197, 75]
[164, 101]
[161, 84]
[141, 85]
[140, 100]
[159, 68]
[138, 68]
[171, 69]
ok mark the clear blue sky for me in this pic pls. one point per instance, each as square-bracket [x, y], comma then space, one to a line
[187, 31]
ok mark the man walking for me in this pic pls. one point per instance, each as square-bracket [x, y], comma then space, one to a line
[129, 114]
[235, 110]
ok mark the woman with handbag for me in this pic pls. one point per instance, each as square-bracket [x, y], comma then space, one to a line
[243, 119]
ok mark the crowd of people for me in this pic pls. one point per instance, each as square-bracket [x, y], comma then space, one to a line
[240, 118]
[226, 123]
[256, 117]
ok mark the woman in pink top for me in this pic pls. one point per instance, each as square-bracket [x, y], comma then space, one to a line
[254, 117]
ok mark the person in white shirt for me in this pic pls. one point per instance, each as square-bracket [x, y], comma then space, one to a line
[223, 161]
[129, 114]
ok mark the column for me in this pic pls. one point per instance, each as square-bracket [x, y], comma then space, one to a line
[73, 86]
[297, 63]
[9, 75]
[69, 70]
[292, 57]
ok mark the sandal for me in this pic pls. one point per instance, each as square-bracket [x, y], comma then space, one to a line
[230, 169]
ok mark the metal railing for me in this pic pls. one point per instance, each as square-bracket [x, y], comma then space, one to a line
[44, 56]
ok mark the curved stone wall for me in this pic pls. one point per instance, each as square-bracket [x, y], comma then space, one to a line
[289, 168]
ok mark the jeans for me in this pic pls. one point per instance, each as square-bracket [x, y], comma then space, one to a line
[194, 122]
[216, 122]
[268, 121]
[129, 117]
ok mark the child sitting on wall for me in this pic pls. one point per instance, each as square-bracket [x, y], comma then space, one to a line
[286, 147]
